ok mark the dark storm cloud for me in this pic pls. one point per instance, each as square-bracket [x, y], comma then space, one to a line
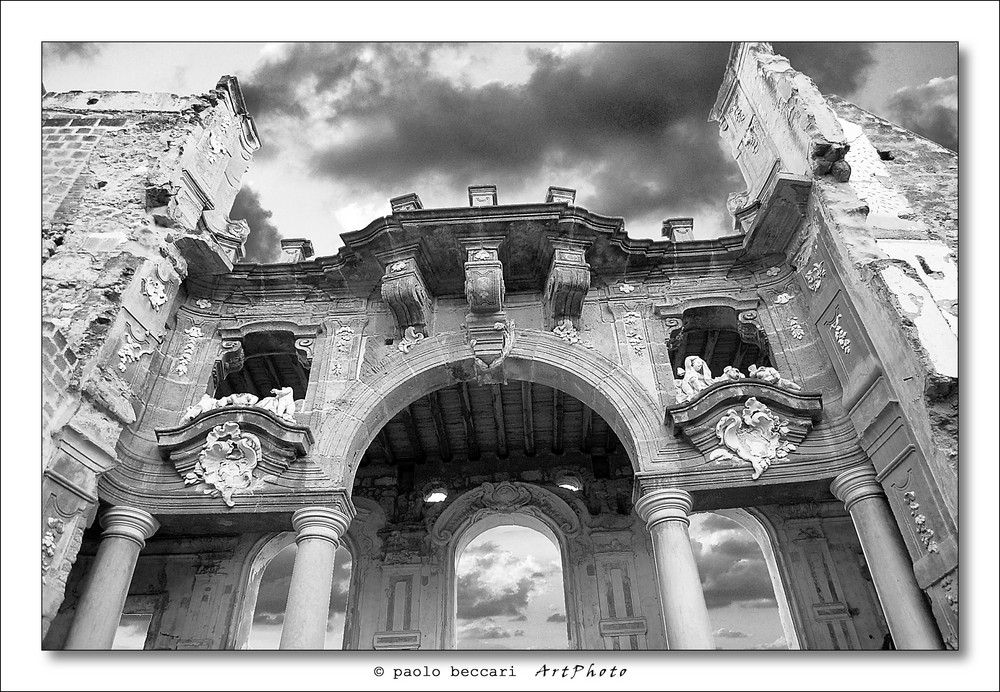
[733, 571]
[263, 245]
[629, 118]
[836, 68]
[930, 110]
[70, 50]
[556, 617]
[273, 593]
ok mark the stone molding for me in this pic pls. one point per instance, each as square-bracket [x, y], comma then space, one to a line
[656, 505]
[323, 523]
[504, 498]
[132, 524]
[857, 484]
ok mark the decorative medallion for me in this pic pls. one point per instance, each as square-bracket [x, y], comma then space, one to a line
[626, 287]
[773, 271]
[227, 462]
[482, 255]
[203, 304]
[755, 434]
[397, 267]
[783, 299]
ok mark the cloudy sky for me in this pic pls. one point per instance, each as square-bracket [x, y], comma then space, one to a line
[347, 126]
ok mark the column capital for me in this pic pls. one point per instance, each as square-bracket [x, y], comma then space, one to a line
[129, 523]
[664, 504]
[855, 485]
[324, 523]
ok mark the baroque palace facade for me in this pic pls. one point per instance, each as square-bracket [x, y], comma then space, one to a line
[453, 370]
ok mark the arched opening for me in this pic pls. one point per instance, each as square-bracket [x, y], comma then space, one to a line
[742, 582]
[267, 360]
[721, 337]
[267, 595]
[509, 589]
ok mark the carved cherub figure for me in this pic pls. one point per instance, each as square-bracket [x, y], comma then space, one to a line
[240, 399]
[282, 404]
[696, 376]
[730, 373]
[206, 403]
[772, 376]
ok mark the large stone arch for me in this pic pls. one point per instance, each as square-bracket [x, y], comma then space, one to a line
[502, 504]
[605, 386]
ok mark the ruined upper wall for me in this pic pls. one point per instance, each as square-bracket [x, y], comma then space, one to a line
[901, 174]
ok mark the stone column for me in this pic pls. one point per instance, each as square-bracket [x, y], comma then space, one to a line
[100, 609]
[685, 615]
[906, 609]
[319, 530]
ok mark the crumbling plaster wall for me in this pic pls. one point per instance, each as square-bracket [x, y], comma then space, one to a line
[127, 179]
[875, 256]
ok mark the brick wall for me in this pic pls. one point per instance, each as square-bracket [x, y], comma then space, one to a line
[58, 366]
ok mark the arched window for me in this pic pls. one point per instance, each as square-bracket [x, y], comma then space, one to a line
[741, 580]
[273, 575]
[510, 589]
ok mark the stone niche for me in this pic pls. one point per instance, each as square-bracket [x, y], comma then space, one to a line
[234, 451]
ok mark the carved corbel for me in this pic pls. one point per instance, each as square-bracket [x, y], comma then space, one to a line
[567, 283]
[405, 292]
[484, 287]
[750, 330]
[231, 359]
[304, 351]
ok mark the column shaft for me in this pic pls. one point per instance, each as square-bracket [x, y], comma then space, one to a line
[306, 612]
[906, 609]
[682, 600]
[100, 609]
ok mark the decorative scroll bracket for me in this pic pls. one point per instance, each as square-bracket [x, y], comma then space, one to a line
[567, 283]
[405, 291]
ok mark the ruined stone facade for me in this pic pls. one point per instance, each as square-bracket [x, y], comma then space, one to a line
[531, 362]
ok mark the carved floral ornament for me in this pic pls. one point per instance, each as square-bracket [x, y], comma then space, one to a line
[411, 337]
[345, 335]
[796, 328]
[227, 461]
[920, 521]
[839, 333]
[568, 333]
[194, 333]
[50, 539]
[633, 334]
[756, 434]
[397, 267]
[155, 291]
[132, 350]
[814, 277]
